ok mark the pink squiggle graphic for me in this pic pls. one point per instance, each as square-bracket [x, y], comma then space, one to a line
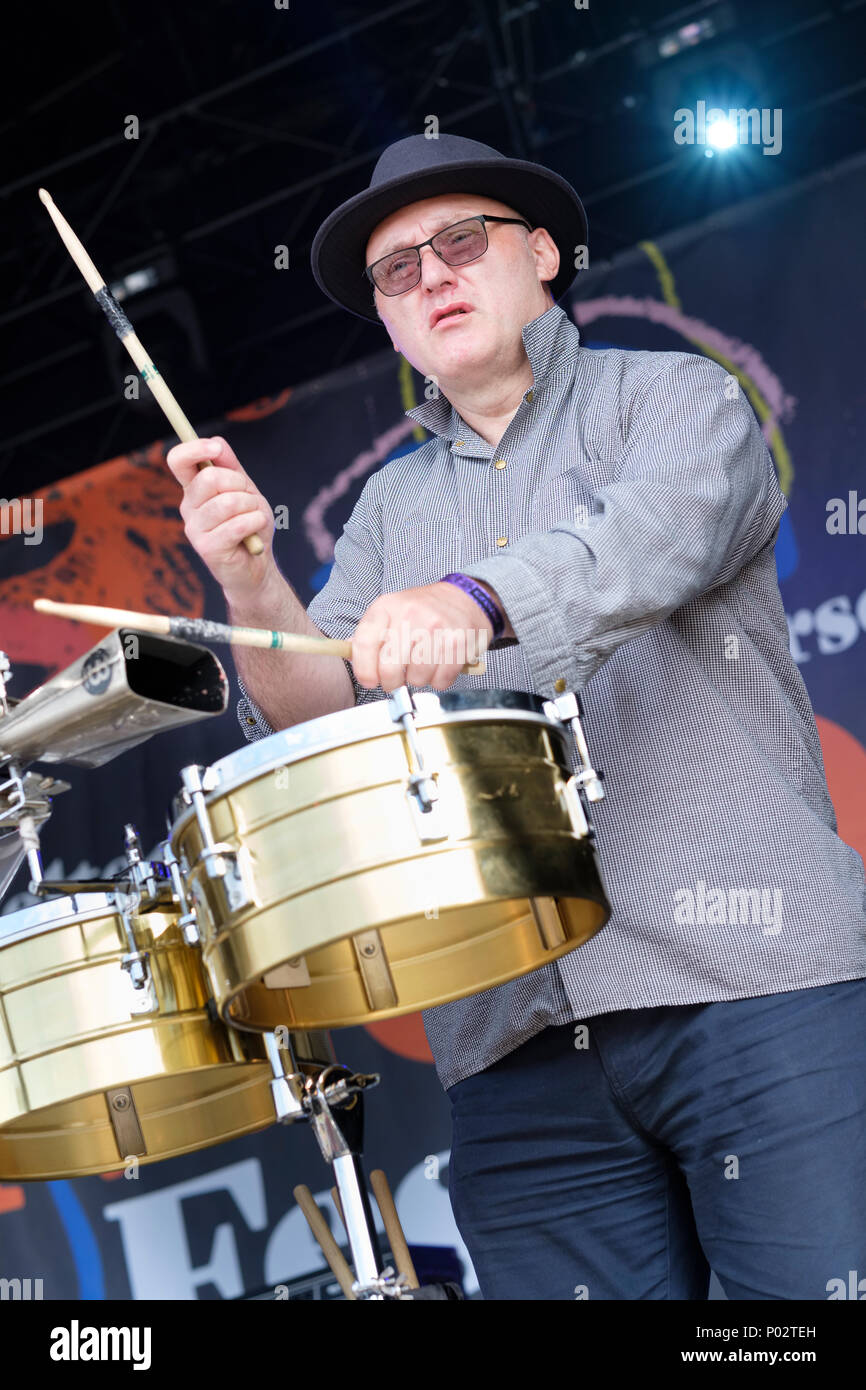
[743, 354]
[320, 537]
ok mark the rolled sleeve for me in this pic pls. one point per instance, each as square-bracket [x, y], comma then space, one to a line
[694, 498]
[252, 721]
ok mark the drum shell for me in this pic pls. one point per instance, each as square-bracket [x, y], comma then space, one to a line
[70, 1033]
[329, 851]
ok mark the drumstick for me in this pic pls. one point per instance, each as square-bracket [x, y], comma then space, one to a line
[335, 1198]
[322, 1231]
[393, 1229]
[203, 630]
[125, 332]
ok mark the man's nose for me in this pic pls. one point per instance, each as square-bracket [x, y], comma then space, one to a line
[434, 271]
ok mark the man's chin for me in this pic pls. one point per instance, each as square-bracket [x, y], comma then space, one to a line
[471, 351]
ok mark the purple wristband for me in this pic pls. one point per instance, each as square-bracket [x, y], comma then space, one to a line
[481, 597]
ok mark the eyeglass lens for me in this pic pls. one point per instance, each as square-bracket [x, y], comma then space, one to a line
[456, 245]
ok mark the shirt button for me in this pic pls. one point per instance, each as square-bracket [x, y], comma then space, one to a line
[458, 444]
[559, 684]
[500, 463]
[529, 395]
[250, 719]
[501, 540]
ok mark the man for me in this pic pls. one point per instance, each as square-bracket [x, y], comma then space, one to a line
[686, 1090]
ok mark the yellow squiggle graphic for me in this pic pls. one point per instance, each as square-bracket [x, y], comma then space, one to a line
[407, 395]
[778, 447]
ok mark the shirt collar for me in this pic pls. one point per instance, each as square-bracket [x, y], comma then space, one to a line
[549, 340]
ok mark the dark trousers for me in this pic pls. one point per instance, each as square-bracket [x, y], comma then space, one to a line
[729, 1136]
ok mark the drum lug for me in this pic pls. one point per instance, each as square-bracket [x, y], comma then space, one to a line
[428, 822]
[141, 870]
[125, 1122]
[422, 789]
[548, 922]
[375, 974]
[224, 864]
[134, 961]
[187, 921]
[567, 709]
[220, 860]
[570, 794]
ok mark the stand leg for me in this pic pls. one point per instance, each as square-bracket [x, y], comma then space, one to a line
[358, 1217]
[332, 1098]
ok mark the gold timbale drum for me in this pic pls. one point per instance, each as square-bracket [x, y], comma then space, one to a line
[371, 862]
[93, 1071]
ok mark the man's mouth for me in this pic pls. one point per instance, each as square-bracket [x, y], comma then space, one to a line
[459, 311]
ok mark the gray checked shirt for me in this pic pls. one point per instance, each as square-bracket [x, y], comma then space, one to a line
[627, 519]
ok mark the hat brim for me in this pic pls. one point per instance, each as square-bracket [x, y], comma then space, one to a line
[540, 195]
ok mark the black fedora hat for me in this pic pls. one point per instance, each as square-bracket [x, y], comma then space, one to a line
[417, 167]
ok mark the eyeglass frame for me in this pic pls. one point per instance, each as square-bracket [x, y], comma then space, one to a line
[482, 217]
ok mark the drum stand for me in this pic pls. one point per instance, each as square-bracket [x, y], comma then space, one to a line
[332, 1099]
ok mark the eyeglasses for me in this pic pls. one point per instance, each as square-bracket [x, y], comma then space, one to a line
[458, 244]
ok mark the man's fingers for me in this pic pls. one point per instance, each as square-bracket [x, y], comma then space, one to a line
[214, 482]
[225, 505]
[183, 459]
[366, 644]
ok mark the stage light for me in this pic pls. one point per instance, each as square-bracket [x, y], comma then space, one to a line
[686, 37]
[135, 282]
[658, 49]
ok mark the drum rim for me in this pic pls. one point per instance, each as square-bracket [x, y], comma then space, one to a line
[48, 915]
[259, 757]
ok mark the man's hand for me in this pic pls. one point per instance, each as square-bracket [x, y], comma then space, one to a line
[220, 507]
[419, 637]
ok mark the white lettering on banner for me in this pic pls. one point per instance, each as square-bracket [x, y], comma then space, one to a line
[162, 1268]
[836, 624]
[155, 1244]
[427, 1216]
[292, 1250]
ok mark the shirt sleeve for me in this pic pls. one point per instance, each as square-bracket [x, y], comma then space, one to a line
[252, 721]
[356, 577]
[694, 497]
[354, 582]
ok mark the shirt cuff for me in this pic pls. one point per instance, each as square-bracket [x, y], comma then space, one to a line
[252, 721]
[538, 624]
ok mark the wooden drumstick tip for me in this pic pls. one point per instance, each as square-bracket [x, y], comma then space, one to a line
[324, 1235]
[393, 1228]
[253, 544]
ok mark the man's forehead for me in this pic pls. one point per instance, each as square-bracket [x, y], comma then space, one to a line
[399, 228]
